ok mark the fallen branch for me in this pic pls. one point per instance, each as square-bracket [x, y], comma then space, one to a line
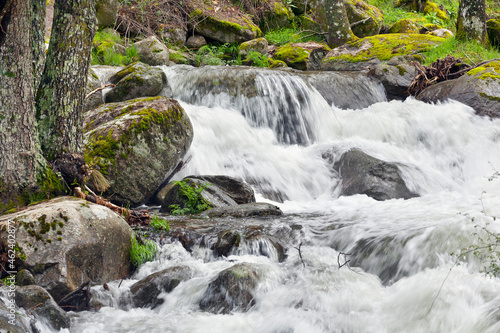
[78, 299]
[300, 254]
[98, 89]
[361, 22]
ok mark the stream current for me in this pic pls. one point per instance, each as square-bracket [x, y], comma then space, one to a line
[281, 132]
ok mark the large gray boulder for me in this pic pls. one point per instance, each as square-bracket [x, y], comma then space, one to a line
[152, 52]
[361, 173]
[479, 89]
[136, 145]
[231, 290]
[219, 191]
[67, 240]
[39, 302]
[136, 80]
[396, 76]
[145, 292]
[106, 12]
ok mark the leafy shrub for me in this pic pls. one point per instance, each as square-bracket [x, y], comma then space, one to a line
[193, 202]
[104, 53]
[142, 251]
[159, 224]
[286, 35]
[257, 59]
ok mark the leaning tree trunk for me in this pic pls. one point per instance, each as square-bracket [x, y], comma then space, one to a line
[21, 161]
[471, 22]
[59, 101]
[332, 17]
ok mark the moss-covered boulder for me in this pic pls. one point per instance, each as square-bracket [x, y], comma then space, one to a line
[255, 45]
[152, 52]
[136, 145]
[176, 36]
[106, 12]
[136, 80]
[370, 51]
[433, 9]
[65, 241]
[493, 30]
[479, 89]
[365, 19]
[225, 25]
[277, 14]
[405, 26]
[298, 55]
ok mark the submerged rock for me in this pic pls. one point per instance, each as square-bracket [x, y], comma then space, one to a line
[479, 89]
[136, 144]
[145, 292]
[244, 210]
[67, 240]
[231, 290]
[361, 173]
[39, 302]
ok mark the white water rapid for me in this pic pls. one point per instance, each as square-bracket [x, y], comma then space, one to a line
[273, 128]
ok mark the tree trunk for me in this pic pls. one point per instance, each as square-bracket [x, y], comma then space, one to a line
[332, 17]
[21, 161]
[60, 96]
[471, 22]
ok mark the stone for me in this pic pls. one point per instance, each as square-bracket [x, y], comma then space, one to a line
[405, 26]
[231, 290]
[96, 99]
[11, 321]
[396, 76]
[244, 210]
[443, 33]
[493, 31]
[276, 14]
[365, 19]
[106, 12]
[136, 80]
[24, 278]
[361, 173]
[67, 240]
[136, 144]
[195, 42]
[298, 55]
[39, 302]
[255, 45]
[152, 52]
[145, 292]
[176, 36]
[479, 89]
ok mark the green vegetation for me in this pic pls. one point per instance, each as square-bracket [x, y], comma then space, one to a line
[105, 50]
[288, 35]
[159, 224]
[193, 202]
[257, 59]
[218, 55]
[142, 251]
[470, 52]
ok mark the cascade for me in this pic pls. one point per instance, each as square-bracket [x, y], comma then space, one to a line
[272, 129]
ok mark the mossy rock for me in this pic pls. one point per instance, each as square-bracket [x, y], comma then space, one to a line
[152, 52]
[136, 80]
[277, 63]
[298, 55]
[368, 51]
[256, 45]
[432, 8]
[479, 89]
[308, 23]
[229, 25]
[405, 26]
[136, 144]
[370, 18]
[493, 30]
[277, 15]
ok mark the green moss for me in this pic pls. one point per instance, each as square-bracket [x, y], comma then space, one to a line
[401, 69]
[385, 47]
[239, 273]
[432, 8]
[19, 252]
[407, 26]
[293, 56]
[101, 152]
[489, 71]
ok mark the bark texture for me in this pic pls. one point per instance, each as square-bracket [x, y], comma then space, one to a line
[59, 101]
[471, 22]
[20, 156]
[332, 17]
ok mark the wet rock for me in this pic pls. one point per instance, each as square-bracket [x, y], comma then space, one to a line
[220, 191]
[146, 291]
[362, 174]
[152, 52]
[479, 89]
[39, 302]
[136, 80]
[396, 76]
[136, 144]
[66, 240]
[244, 210]
[226, 240]
[24, 278]
[231, 290]
[11, 321]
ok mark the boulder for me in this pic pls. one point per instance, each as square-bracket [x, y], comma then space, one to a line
[220, 191]
[256, 45]
[361, 173]
[67, 240]
[145, 292]
[366, 20]
[136, 145]
[195, 42]
[396, 76]
[302, 56]
[370, 51]
[96, 98]
[24, 278]
[106, 12]
[479, 89]
[226, 240]
[225, 25]
[244, 210]
[39, 302]
[433, 9]
[136, 80]
[443, 33]
[231, 290]
[152, 52]
[176, 36]
[276, 15]
[11, 321]
[405, 26]
[493, 30]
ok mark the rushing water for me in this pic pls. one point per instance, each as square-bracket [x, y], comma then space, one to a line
[273, 129]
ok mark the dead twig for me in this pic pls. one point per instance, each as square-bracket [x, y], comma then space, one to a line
[346, 262]
[300, 253]
[99, 89]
